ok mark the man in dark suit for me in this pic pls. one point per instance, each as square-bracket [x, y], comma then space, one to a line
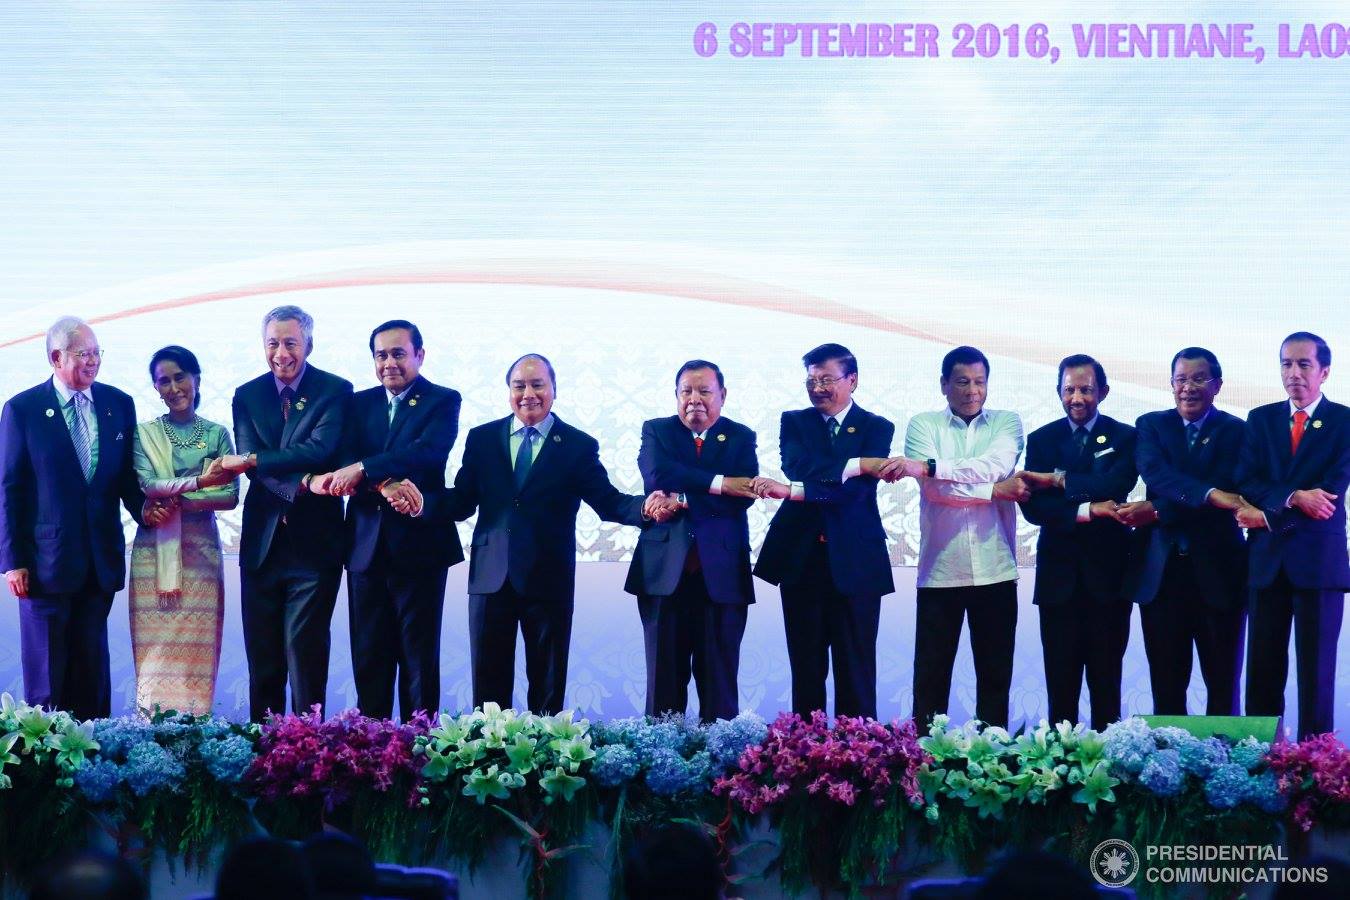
[526, 475]
[826, 547]
[1188, 563]
[692, 574]
[1295, 467]
[1080, 469]
[287, 428]
[396, 565]
[65, 463]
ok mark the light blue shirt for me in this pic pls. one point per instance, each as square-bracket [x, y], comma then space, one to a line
[90, 416]
[536, 442]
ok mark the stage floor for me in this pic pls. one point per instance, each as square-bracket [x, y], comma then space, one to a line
[607, 678]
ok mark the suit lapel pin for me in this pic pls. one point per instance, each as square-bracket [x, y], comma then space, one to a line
[50, 413]
[557, 439]
[413, 400]
[1204, 440]
[1317, 423]
[851, 429]
[119, 436]
[1101, 439]
[721, 437]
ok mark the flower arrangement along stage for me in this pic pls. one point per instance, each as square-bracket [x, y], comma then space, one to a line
[854, 803]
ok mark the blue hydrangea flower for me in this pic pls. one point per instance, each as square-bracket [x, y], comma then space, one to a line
[1227, 786]
[1203, 757]
[669, 774]
[98, 779]
[614, 765]
[1263, 791]
[227, 760]
[1128, 744]
[727, 739]
[116, 737]
[1169, 737]
[1162, 773]
[1249, 753]
[149, 766]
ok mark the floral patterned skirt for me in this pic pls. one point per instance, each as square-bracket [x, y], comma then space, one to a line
[176, 642]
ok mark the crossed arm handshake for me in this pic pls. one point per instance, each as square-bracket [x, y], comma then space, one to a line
[158, 510]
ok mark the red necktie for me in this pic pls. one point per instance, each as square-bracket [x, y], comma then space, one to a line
[698, 446]
[1296, 433]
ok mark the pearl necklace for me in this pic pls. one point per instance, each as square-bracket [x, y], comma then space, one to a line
[195, 440]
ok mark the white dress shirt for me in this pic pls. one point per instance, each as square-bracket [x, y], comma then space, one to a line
[966, 538]
[536, 440]
[852, 469]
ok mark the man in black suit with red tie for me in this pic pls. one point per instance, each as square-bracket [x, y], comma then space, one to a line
[65, 470]
[1081, 468]
[401, 430]
[1188, 564]
[692, 574]
[526, 476]
[1295, 468]
[826, 547]
[287, 428]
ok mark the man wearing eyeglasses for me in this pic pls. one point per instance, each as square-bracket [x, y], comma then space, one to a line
[65, 463]
[826, 547]
[1188, 560]
[1295, 468]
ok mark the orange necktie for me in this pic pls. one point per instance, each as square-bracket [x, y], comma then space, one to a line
[1296, 433]
[698, 446]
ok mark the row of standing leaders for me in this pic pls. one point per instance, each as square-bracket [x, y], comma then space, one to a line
[1242, 536]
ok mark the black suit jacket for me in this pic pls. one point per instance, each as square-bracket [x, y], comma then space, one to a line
[1312, 552]
[715, 522]
[306, 443]
[844, 511]
[531, 534]
[415, 446]
[53, 522]
[1093, 554]
[1178, 478]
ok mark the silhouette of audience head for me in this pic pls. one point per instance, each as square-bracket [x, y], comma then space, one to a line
[89, 875]
[675, 861]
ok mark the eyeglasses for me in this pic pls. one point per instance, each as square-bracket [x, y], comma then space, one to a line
[85, 355]
[1180, 382]
[826, 383]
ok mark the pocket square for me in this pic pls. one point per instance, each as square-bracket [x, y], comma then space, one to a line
[1101, 453]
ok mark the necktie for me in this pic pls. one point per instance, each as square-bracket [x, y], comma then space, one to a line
[393, 409]
[698, 446]
[1192, 432]
[1081, 437]
[286, 395]
[833, 424]
[79, 433]
[524, 456]
[1296, 433]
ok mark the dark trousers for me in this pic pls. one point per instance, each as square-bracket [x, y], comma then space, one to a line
[1316, 619]
[287, 607]
[546, 625]
[824, 625]
[63, 642]
[1086, 635]
[1179, 617]
[395, 618]
[992, 612]
[687, 634]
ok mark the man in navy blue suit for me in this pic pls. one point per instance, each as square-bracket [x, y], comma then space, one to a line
[526, 476]
[288, 428]
[1081, 468]
[65, 463]
[396, 566]
[692, 574]
[1188, 562]
[1295, 467]
[826, 547]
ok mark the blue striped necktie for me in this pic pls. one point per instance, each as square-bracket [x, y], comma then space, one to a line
[79, 433]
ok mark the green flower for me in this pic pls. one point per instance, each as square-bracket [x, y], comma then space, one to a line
[469, 753]
[940, 743]
[439, 765]
[559, 783]
[1097, 784]
[30, 723]
[958, 785]
[1091, 749]
[562, 727]
[931, 781]
[988, 798]
[984, 747]
[451, 732]
[572, 753]
[521, 754]
[481, 784]
[1035, 748]
[71, 744]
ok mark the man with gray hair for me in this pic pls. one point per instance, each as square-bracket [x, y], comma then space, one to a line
[288, 427]
[65, 463]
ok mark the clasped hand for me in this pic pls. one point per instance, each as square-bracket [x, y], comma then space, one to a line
[155, 512]
[661, 506]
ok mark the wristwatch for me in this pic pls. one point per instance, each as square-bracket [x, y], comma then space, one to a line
[932, 468]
